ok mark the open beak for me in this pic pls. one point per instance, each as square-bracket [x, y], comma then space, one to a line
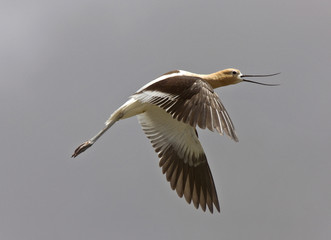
[260, 75]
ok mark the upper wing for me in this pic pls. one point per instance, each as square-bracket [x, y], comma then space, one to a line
[189, 99]
[181, 157]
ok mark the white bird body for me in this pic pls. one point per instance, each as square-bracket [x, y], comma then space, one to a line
[168, 109]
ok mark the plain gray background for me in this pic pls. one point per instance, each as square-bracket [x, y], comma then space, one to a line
[66, 65]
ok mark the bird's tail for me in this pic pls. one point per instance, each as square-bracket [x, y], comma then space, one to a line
[131, 108]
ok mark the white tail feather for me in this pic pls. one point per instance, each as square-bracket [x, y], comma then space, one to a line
[131, 108]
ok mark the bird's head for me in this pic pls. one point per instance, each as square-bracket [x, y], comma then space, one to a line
[233, 76]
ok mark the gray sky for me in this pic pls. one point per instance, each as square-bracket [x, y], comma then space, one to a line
[66, 65]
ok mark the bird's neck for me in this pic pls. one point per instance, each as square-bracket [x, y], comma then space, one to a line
[217, 79]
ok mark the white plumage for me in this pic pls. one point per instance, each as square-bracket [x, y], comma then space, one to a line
[169, 109]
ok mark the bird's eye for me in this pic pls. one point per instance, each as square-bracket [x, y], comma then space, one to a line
[234, 73]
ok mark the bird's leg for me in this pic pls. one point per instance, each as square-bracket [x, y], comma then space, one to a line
[128, 109]
[81, 148]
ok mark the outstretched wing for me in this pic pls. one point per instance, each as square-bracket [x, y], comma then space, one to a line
[188, 99]
[181, 157]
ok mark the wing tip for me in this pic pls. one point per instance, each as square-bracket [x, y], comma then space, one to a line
[195, 184]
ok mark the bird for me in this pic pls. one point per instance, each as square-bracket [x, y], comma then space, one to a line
[169, 109]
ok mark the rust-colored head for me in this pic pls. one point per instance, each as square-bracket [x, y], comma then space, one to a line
[231, 76]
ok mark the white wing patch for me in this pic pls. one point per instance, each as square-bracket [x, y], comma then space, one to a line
[164, 131]
[149, 96]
